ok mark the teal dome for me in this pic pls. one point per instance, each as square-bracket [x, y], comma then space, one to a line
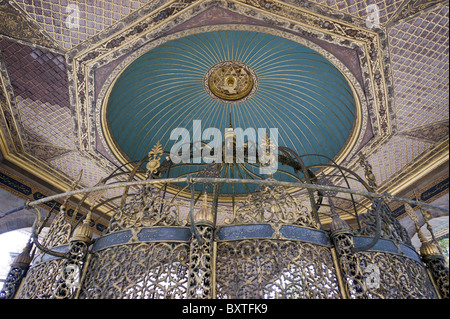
[296, 90]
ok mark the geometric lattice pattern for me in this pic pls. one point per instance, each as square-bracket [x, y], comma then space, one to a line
[74, 162]
[364, 8]
[395, 155]
[45, 123]
[420, 69]
[36, 73]
[267, 269]
[71, 164]
[72, 22]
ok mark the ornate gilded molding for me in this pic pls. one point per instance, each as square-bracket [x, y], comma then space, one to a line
[28, 191]
[15, 24]
[417, 169]
[412, 8]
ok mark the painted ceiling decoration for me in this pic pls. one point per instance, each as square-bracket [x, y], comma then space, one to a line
[72, 73]
[299, 92]
[270, 82]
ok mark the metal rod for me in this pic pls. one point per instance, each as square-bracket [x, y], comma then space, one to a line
[242, 181]
[12, 211]
[342, 285]
[35, 237]
[191, 215]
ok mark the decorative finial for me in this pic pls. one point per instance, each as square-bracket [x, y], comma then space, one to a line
[427, 248]
[204, 214]
[370, 176]
[84, 231]
[23, 260]
[154, 156]
[338, 225]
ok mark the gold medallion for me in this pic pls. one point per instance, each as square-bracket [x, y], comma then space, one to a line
[230, 81]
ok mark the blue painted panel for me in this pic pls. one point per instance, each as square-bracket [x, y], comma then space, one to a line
[121, 237]
[305, 234]
[165, 234]
[384, 245]
[240, 232]
[60, 249]
[245, 232]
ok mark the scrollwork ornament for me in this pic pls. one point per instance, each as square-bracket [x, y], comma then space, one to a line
[59, 232]
[440, 273]
[146, 209]
[12, 283]
[200, 264]
[274, 204]
[390, 226]
[70, 276]
[254, 269]
[138, 271]
[349, 264]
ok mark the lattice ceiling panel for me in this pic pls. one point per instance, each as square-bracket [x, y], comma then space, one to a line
[36, 74]
[73, 163]
[72, 22]
[383, 9]
[46, 123]
[394, 156]
[39, 81]
[419, 57]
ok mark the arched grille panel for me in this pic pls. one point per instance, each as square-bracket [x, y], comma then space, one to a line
[151, 270]
[266, 269]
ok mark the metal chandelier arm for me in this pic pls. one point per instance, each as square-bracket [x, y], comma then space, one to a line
[35, 236]
[235, 180]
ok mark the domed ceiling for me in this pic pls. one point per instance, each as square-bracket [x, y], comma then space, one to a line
[283, 85]
[59, 60]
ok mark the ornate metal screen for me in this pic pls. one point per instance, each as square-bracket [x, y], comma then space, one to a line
[273, 268]
[283, 240]
[138, 271]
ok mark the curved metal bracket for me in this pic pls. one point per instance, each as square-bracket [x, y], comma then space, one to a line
[379, 202]
[35, 237]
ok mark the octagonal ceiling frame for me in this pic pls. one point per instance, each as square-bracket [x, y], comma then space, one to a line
[286, 19]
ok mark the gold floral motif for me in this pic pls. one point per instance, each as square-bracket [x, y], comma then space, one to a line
[154, 157]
